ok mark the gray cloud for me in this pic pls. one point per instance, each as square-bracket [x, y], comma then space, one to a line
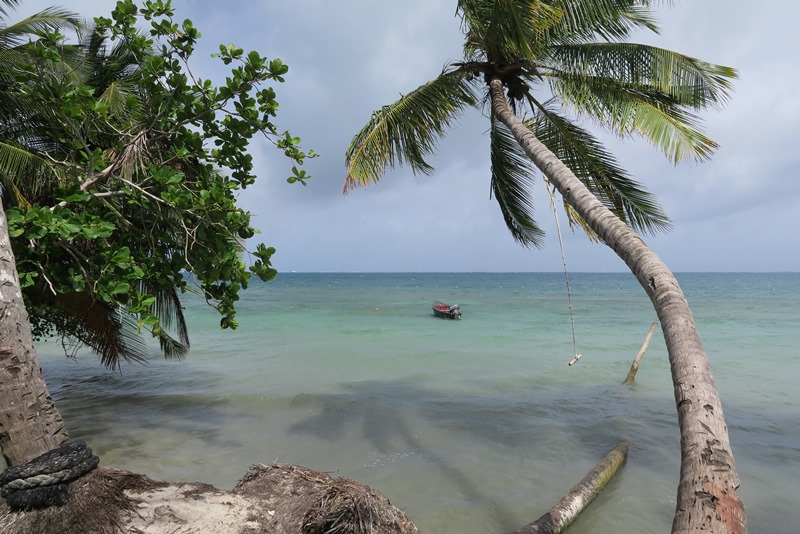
[347, 58]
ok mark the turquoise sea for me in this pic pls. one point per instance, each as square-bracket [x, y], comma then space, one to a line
[471, 426]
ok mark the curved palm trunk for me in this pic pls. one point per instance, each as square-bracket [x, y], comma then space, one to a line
[707, 498]
[30, 424]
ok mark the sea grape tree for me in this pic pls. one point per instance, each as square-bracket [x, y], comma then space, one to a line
[127, 191]
[120, 171]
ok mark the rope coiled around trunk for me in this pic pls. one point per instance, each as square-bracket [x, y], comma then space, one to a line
[44, 481]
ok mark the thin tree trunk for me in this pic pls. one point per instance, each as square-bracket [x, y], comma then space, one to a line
[707, 499]
[30, 424]
[635, 365]
[563, 514]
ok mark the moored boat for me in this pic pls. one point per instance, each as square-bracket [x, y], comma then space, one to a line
[446, 311]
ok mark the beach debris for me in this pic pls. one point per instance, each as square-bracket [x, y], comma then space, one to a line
[580, 496]
[635, 364]
[279, 499]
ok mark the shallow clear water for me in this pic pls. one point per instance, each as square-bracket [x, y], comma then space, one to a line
[470, 426]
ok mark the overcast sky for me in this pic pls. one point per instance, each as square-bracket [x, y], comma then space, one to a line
[348, 57]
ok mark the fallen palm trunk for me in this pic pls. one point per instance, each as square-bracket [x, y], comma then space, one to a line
[564, 513]
[635, 364]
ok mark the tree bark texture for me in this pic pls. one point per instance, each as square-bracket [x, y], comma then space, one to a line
[635, 365]
[707, 499]
[579, 497]
[30, 424]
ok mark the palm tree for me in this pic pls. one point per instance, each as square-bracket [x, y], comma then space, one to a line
[18, 121]
[22, 387]
[537, 57]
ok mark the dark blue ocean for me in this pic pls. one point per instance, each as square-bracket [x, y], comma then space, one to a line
[469, 426]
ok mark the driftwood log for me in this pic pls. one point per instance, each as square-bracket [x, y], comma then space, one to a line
[635, 365]
[564, 513]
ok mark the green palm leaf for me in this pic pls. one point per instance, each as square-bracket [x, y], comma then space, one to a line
[23, 172]
[599, 171]
[624, 110]
[407, 130]
[499, 29]
[169, 311]
[114, 73]
[19, 33]
[636, 88]
[512, 186]
[588, 20]
[107, 330]
[120, 341]
[688, 81]
[23, 169]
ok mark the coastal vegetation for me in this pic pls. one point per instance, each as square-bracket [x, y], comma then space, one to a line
[534, 67]
[120, 170]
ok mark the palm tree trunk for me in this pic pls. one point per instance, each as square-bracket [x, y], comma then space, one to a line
[707, 498]
[30, 424]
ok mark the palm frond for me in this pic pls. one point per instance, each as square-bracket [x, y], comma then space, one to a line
[505, 30]
[644, 96]
[135, 156]
[588, 20]
[503, 27]
[624, 111]
[599, 171]
[169, 311]
[114, 334]
[108, 331]
[19, 33]
[512, 186]
[126, 345]
[171, 348]
[407, 130]
[115, 97]
[25, 171]
[687, 81]
[10, 3]
[113, 73]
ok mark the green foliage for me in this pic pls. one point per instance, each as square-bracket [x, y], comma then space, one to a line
[407, 131]
[137, 199]
[512, 181]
